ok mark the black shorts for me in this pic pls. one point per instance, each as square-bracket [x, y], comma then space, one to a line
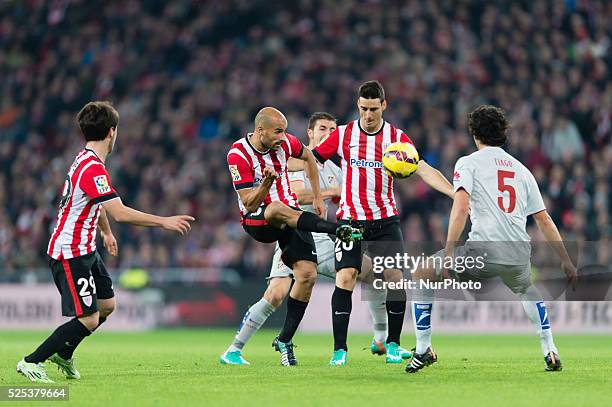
[295, 244]
[380, 238]
[81, 281]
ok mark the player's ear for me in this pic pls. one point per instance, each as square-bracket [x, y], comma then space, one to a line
[384, 105]
[310, 134]
[110, 133]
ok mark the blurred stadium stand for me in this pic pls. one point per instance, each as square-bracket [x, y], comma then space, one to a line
[187, 78]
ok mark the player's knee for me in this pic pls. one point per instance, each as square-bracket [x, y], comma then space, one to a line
[346, 278]
[275, 296]
[90, 321]
[308, 279]
[305, 273]
[273, 210]
[107, 308]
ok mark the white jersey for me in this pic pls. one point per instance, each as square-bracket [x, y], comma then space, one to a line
[503, 192]
[330, 176]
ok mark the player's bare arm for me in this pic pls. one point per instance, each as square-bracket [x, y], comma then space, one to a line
[253, 197]
[551, 233]
[110, 243]
[434, 179]
[312, 172]
[458, 218]
[305, 196]
[124, 214]
[295, 165]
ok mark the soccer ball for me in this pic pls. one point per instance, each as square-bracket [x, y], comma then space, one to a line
[400, 159]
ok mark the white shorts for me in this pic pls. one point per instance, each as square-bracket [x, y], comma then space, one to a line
[325, 259]
[515, 277]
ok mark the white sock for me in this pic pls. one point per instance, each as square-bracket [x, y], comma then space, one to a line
[422, 308]
[538, 316]
[377, 303]
[421, 317]
[252, 321]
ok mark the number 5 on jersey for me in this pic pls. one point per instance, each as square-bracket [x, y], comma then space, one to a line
[502, 177]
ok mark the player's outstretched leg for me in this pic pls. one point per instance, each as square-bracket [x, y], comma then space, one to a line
[254, 318]
[538, 316]
[305, 274]
[279, 214]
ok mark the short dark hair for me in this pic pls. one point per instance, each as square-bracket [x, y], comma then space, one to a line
[372, 90]
[488, 124]
[96, 118]
[316, 116]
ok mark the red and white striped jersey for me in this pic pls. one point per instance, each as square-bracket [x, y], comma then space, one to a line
[87, 186]
[246, 166]
[367, 190]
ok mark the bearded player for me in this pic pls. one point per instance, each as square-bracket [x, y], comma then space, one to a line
[270, 210]
[320, 125]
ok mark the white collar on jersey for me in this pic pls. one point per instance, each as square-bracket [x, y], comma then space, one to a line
[376, 132]
[248, 140]
[93, 152]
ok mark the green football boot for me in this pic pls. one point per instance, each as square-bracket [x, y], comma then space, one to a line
[380, 348]
[67, 367]
[233, 358]
[338, 358]
[393, 353]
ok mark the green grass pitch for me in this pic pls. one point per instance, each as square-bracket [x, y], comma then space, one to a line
[180, 367]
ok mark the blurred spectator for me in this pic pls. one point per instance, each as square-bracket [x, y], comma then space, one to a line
[187, 78]
[563, 141]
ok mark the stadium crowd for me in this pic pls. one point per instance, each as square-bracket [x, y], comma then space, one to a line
[187, 78]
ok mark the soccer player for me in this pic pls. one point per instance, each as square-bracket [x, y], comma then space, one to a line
[269, 209]
[320, 125]
[367, 201]
[501, 193]
[78, 270]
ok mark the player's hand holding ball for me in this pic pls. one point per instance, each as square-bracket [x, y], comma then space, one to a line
[400, 159]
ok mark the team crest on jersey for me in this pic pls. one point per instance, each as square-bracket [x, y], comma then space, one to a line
[66, 192]
[87, 300]
[102, 184]
[331, 179]
[235, 173]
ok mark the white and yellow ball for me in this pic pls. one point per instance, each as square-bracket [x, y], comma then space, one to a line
[400, 159]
